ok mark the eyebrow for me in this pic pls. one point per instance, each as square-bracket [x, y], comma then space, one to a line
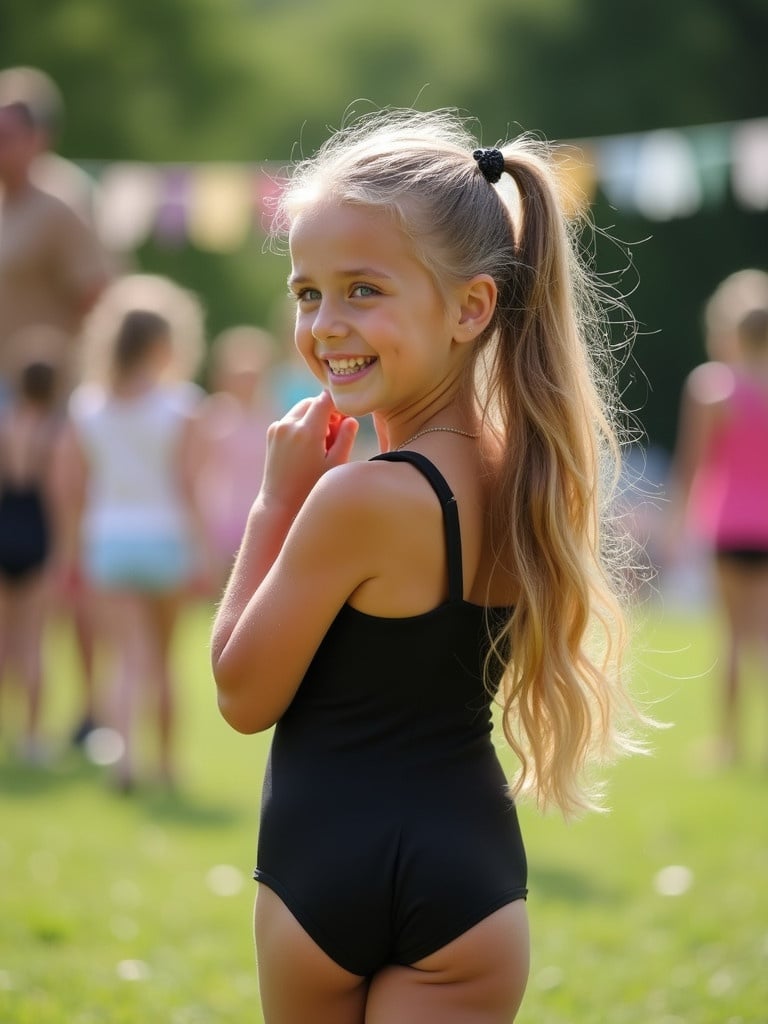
[296, 280]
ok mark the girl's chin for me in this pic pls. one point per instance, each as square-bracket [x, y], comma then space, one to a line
[347, 408]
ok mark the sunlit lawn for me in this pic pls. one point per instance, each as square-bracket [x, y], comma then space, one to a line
[137, 909]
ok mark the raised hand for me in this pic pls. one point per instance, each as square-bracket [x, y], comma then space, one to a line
[310, 439]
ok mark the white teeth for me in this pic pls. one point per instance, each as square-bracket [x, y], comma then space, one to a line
[342, 366]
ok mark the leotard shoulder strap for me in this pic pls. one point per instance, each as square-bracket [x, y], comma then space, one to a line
[450, 514]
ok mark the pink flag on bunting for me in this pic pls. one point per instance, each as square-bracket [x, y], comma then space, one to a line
[749, 169]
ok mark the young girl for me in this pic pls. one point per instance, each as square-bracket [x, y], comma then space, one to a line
[130, 463]
[29, 428]
[376, 608]
[232, 426]
[721, 473]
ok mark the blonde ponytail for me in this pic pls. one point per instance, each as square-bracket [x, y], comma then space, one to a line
[561, 692]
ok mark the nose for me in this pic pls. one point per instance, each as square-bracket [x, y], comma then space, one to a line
[328, 322]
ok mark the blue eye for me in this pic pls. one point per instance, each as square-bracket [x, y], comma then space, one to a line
[363, 291]
[307, 295]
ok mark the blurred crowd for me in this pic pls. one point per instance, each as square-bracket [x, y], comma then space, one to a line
[131, 451]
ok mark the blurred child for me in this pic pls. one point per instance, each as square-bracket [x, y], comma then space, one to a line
[233, 422]
[133, 518]
[29, 427]
[740, 292]
[721, 476]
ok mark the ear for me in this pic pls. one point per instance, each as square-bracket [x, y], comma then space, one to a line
[476, 305]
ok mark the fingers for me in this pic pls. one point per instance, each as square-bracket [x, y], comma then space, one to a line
[340, 449]
[317, 419]
[303, 418]
[318, 413]
[299, 410]
[310, 411]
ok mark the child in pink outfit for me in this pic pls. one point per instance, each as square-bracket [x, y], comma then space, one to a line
[729, 497]
[722, 471]
[233, 423]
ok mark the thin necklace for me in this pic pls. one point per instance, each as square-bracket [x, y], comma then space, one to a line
[433, 430]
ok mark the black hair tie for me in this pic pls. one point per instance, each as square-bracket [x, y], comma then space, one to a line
[491, 163]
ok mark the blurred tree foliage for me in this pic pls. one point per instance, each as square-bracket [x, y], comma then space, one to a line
[175, 80]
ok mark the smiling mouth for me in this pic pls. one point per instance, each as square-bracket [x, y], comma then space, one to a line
[347, 367]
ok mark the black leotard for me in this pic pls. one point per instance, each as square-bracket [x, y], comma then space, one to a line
[386, 828]
[24, 531]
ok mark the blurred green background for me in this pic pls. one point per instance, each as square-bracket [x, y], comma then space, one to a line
[260, 80]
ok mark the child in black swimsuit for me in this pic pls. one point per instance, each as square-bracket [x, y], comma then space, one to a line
[377, 609]
[28, 428]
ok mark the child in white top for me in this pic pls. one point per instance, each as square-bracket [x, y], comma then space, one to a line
[134, 526]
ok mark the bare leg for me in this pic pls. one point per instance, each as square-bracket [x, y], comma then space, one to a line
[22, 616]
[759, 630]
[479, 977]
[122, 623]
[31, 606]
[162, 613]
[5, 631]
[82, 622]
[733, 587]
[730, 725]
[79, 609]
[299, 983]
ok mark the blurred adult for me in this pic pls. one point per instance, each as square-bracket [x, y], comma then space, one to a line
[721, 475]
[52, 266]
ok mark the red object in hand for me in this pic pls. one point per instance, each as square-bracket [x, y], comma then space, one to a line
[337, 418]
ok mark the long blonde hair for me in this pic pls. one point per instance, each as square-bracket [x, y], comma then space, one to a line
[542, 374]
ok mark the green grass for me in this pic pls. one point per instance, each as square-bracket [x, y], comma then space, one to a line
[109, 912]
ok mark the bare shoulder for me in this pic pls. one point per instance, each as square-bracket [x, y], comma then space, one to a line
[374, 495]
[388, 519]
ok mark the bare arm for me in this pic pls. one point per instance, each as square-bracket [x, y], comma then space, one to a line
[191, 460]
[703, 401]
[290, 577]
[68, 484]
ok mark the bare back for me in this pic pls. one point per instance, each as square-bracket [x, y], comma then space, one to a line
[26, 438]
[409, 568]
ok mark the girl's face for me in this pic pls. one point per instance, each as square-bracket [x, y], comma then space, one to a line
[371, 323]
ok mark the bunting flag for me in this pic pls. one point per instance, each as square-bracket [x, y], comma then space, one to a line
[170, 226]
[711, 146]
[750, 164]
[659, 175]
[667, 182]
[221, 207]
[126, 205]
[618, 157]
